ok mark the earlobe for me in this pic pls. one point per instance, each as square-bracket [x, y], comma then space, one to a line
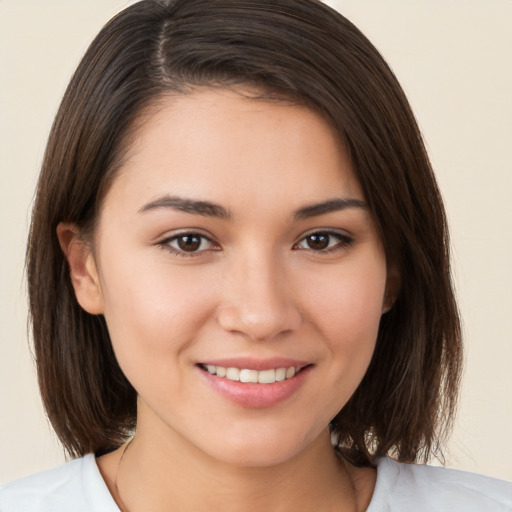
[82, 268]
[392, 289]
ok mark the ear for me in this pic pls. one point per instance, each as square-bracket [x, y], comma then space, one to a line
[392, 289]
[82, 268]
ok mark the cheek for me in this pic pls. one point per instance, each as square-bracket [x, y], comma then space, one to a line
[348, 303]
[152, 313]
[345, 311]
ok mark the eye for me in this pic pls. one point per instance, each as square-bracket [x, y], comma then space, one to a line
[187, 244]
[324, 241]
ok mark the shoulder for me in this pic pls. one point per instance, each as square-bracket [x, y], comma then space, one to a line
[427, 488]
[76, 486]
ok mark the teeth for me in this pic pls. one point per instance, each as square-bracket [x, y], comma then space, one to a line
[232, 373]
[267, 376]
[280, 374]
[246, 375]
[290, 372]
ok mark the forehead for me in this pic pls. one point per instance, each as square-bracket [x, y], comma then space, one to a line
[213, 141]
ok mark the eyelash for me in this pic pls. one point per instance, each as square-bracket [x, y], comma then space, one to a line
[166, 244]
[344, 241]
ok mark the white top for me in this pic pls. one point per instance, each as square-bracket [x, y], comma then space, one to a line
[79, 487]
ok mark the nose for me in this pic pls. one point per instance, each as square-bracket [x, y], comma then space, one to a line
[257, 301]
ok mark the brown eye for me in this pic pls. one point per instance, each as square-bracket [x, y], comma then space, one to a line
[318, 241]
[324, 241]
[189, 243]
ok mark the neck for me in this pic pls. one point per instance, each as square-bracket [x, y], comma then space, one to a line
[164, 476]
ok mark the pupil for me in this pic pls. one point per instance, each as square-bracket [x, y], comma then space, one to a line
[318, 241]
[189, 242]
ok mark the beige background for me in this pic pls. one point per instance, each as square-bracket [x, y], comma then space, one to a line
[453, 58]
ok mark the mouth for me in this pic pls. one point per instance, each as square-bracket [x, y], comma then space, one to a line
[248, 375]
[255, 384]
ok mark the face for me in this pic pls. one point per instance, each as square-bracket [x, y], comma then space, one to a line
[235, 243]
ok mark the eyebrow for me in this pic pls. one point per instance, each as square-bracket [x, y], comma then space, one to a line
[193, 206]
[209, 209]
[331, 205]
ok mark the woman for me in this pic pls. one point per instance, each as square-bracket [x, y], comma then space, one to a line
[238, 258]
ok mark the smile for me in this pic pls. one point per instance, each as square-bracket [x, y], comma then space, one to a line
[252, 376]
[256, 383]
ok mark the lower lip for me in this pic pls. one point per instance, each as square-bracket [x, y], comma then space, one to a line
[253, 395]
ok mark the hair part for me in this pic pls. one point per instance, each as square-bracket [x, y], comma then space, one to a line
[283, 50]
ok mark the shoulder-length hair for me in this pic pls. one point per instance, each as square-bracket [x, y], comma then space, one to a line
[298, 50]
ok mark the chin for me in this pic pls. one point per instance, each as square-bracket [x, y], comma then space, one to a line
[256, 458]
[260, 451]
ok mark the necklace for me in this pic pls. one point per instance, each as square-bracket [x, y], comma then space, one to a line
[122, 506]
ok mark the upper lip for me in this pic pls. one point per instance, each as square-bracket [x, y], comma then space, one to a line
[257, 364]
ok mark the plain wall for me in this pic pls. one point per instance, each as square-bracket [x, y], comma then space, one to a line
[453, 58]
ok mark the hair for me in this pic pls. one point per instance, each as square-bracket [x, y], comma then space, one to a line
[296, 50]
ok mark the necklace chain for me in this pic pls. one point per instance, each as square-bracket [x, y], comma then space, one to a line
[124, 508]
[121, 503]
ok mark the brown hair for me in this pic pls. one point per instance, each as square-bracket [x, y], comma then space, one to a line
[300, 50]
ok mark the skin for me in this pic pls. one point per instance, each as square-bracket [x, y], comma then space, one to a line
[255, 288]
